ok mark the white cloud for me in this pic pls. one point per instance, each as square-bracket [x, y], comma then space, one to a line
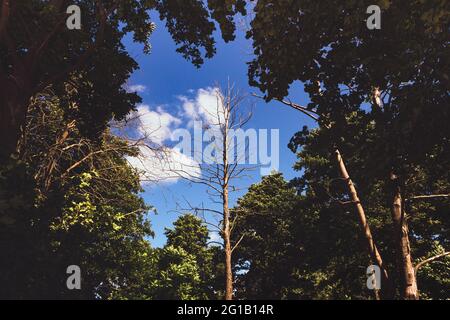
[189, 109]
[165, 165]
[139, 88]
[156, 126]
[157, 162]
[206, 106]
[215, 237]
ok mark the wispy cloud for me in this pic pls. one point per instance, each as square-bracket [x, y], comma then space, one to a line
[164, 165]
[157, 161]
[155, 125]
[215, 238]
[205, 106]
[139, 88]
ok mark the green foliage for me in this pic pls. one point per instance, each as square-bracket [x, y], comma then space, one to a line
[382, 98]
[185, 268]
[295, 247]
[434, 277]
[191, 235]
[90, 216]
[308, 245]
[428, 220]
[38, 51]
[178, 275]
[267, 256]
[327, 46]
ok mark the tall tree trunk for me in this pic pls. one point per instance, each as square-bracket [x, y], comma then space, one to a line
[227, 242]
[226, 211]
[386, 287]
[408, 276]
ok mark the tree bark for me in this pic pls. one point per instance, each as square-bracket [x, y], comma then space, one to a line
[227, 242]
[226, 213]
[408, 276]
[386, 287]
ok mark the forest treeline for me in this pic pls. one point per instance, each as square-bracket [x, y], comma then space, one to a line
[373, 183]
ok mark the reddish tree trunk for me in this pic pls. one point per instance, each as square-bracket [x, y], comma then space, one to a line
[226, 217]
[386, 287]
[227, 243]
[408, 277]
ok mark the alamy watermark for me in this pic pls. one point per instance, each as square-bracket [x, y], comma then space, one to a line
[259, 147]
[73, 22]
[374, 20]
[73, 282]
[373, 273]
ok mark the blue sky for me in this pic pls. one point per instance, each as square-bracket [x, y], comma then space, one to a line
[166, 76]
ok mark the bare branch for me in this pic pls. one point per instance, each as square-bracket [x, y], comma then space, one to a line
[238, 243]
[313, 115]
[215, 242]
[421, 264]
[430, 196]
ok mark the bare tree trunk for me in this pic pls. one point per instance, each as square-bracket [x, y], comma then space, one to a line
[218, 176]
[386, 287]
[227, 242]
[408, 276]
[226, 216]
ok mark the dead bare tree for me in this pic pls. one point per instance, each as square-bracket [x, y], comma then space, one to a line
[223, 166]
[217, 167]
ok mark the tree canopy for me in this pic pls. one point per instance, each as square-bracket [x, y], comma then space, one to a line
[372, 184]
